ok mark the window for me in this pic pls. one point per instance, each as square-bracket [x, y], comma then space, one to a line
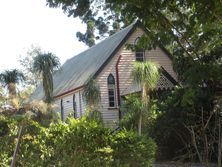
[111, 90]
[62, 110]
[139, 56]
[139, 51]
[74, 106]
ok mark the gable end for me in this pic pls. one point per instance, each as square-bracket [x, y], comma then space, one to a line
[117, 49]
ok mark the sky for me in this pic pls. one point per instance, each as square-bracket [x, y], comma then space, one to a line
[24, 23]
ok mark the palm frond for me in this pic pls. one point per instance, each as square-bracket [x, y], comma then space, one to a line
[146, 73]
[11, 76]
[92, 92]
[45, 64]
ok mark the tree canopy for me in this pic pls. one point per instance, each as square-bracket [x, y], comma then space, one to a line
[192, 28]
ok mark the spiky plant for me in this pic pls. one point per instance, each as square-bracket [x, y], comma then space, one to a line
[146, 74]
[45, 64]
[92, 93]
[92, 97]
[10, 78]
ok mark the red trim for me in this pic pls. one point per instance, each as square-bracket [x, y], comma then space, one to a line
[69, 91]
[117, 83]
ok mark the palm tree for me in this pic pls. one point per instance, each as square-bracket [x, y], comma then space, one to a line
[10, 78]
[146, 74]
[45, 64]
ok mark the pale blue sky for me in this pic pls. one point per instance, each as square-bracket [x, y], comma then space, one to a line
[30, 22]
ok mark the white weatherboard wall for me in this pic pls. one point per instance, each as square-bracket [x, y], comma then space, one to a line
[111, 115]
[128, 57]
[68, 104]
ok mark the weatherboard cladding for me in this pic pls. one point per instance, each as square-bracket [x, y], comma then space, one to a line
[125, 66]
[68, 104]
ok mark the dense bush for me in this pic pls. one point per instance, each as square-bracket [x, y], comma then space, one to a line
[76, 143]
[8, 130]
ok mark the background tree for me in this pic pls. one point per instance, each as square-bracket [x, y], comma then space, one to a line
[146, 74]
[26, 61]
[99, 19]
[186, 23]
[10, 78]
[45, 64]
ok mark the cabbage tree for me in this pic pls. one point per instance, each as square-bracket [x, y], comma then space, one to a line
[45, 64]
[10, 78]
[146, 74]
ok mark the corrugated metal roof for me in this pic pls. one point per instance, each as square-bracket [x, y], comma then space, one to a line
[76, 71]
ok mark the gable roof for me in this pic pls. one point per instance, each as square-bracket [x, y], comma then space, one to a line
[75, 71]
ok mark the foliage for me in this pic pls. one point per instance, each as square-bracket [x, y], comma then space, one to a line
[187, 117]
[146, 75]
[10, 78]
[7, 144]
[88, 38]
[26, 61]
[131, 111]
[189, 28]
[99, 19]
[76, 143]
[44, 65]
[129, 148]
[92, 97]
[92, 93]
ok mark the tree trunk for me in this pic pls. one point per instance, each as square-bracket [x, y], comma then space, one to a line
[205, 140]
[206, 148]
[12, 90]
[17, 146]
[193, 136]
[144, 99]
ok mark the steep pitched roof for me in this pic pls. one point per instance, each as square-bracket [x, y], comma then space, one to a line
[76, 71]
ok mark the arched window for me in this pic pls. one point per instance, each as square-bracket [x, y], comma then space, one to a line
[111, 90]
[62, 109]
[139, 51]
[74, 106]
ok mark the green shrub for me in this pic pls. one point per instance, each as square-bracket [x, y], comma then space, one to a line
[8, 130]
[129, 148]
[77, 143]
